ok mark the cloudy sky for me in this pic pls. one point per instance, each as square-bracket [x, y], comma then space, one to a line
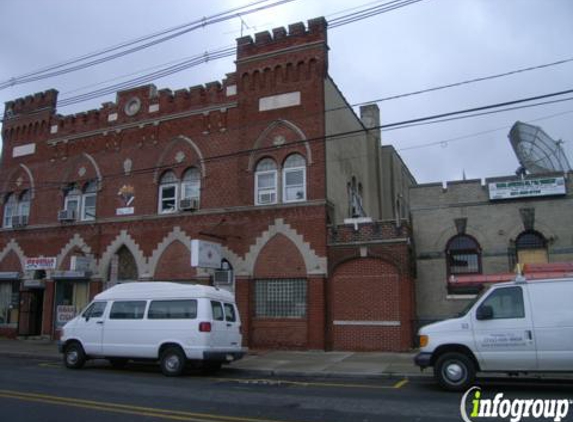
[423, 45]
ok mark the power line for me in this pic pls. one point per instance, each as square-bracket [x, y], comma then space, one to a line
[328, 138]
[60, 69]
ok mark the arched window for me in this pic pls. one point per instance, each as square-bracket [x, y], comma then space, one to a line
[89, 198]
[463, 255]
[10, 209]
[531, 247]
[294, 178]
[266, 182]
[24, 206]
[168, 186]
[191, 185]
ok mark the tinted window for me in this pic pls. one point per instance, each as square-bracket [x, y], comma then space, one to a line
[127, 310]
[172, 309]
[230, 312]
[506, 303]
[217, 311]
[95, 310]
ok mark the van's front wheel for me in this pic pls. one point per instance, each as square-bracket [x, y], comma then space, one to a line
[74, 356]
[172, 361]
[454, 371]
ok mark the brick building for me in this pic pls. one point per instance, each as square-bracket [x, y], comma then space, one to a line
[469, 233]
[117, 194]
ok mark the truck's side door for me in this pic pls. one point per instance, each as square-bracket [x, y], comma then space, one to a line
[90, 328]
[503, 331]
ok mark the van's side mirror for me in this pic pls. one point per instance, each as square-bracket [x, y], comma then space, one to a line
[484, 312]
[87, 317]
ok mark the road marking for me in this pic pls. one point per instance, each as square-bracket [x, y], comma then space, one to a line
[125, 409]
[401, 383]
[50, 365]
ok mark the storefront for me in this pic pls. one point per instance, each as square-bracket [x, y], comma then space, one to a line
[71, 295]
[9, 302]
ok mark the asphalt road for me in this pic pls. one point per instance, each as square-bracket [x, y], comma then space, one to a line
[36, 390]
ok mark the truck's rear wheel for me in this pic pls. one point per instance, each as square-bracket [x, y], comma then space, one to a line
[454, 371]
[172, 361]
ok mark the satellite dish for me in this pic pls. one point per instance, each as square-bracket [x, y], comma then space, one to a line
[536, 151]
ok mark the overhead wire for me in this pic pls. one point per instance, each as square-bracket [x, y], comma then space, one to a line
[61, 69]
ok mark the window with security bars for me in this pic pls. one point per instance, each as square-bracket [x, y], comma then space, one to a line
[463, 255]
[280, 298]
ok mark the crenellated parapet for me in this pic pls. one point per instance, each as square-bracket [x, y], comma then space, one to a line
[283, 57]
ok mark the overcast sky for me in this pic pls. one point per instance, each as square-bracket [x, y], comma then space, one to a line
[423, 45]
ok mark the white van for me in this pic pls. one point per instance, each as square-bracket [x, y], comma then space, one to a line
[517, 327]
[170, 322]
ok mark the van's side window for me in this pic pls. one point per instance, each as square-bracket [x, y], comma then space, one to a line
[127, 310]
[230, 312]
[217, 311]
[95, 310]
[506, 303]
[172, 309]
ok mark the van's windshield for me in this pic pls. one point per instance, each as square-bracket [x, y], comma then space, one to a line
[473, 301]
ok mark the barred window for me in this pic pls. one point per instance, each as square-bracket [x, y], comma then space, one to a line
[463, 255]
[280, 298]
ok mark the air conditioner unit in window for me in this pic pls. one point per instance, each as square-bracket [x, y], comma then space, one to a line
[66, 215]
[189, 204]
[223, 277]
[266, 198]
[19, 221]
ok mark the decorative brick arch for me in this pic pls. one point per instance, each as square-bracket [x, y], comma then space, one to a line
[169, 149]
[75, 242]
[274, 125]
[123, 239]
[8, 184]
[74, 163]
[315, 265]
[13, 246]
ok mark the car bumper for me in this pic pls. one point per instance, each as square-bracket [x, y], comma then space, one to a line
[423, 359]
[222, 356]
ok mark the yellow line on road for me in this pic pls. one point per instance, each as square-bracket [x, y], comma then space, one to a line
[125, 409]
[400, 384]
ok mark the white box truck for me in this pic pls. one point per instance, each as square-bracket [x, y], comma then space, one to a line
[169, 322]
[516, 327]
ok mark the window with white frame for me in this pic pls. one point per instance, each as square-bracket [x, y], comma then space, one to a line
[10, 209]
[294, 178]
[89, 199]
[266, 182]
[191, 184]
[168, 186]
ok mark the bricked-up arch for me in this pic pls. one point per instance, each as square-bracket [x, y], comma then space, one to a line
[291, 134]
[12, 257]
[193, 157]
[314, 264]
[366, 306]
[280, 286]
[123, 239]
[174, 264]
[73, 172]
[280, 258]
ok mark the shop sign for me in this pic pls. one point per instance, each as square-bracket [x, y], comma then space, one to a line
[69, 274]
[65, 313]
[527, 188]
[205, 254]
[41, 263]
[81, 263]
[34, 284]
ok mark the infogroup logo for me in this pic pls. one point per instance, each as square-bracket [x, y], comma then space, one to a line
[513, 409]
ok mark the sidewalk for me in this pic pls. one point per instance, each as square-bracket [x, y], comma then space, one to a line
[312, 363]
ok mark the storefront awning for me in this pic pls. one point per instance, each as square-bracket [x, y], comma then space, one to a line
[71, 275]
[9, 275]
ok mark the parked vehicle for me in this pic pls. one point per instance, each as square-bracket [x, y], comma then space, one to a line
[516, 327]
[169, 322]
